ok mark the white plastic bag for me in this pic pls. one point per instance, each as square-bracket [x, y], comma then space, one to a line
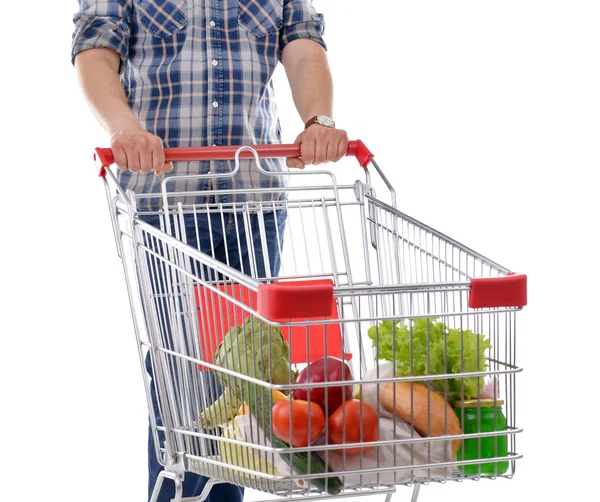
[413, 454]
[389, 456]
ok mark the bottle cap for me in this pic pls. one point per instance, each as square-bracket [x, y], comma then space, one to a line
[475, 403]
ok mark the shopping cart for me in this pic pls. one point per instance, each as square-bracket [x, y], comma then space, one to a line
[383, 353]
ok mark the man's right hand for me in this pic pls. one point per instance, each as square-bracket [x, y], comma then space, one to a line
[137, 150]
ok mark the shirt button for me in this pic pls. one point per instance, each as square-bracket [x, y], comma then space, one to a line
[215, 104]
[215, 62]
[213, 24]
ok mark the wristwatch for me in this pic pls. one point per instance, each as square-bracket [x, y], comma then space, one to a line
[321, 120]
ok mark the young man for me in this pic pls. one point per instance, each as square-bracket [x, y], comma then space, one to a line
[175, 73]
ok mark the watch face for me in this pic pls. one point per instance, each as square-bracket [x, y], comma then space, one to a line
[326, 121]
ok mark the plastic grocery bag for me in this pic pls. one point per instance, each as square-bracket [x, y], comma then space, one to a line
[411, 454]
[390, 456]
[383, 457]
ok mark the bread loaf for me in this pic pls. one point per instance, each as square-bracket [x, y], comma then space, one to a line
[425, 410]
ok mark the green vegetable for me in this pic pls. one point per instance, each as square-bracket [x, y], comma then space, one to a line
[260, 351]
[245, 456]
[253, 349]
[445, 351]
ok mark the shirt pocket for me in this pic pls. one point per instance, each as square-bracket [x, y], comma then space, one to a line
[261, 17]
[162, 18]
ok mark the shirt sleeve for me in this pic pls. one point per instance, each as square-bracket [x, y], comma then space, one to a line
[301, 20]
[102, 24]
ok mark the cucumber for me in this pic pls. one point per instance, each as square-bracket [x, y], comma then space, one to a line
[297, 461]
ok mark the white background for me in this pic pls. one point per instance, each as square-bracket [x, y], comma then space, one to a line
[485, 114]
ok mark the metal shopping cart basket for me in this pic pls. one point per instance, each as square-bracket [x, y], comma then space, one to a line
[350, 350]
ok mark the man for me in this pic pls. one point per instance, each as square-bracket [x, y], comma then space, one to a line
[174, 73]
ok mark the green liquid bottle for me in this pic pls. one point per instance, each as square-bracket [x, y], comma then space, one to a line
[476, 416]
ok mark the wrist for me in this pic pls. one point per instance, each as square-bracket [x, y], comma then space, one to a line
[120, 124]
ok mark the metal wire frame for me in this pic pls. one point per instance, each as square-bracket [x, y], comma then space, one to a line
[407, 271]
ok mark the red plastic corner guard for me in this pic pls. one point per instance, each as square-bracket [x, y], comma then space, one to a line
[495, 292]
[295, 300]
[103, 158]
[361, 152]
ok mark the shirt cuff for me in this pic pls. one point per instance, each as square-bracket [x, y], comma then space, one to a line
[94, 32]
[310, 30]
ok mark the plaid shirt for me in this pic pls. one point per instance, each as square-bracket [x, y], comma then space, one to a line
[199, 73]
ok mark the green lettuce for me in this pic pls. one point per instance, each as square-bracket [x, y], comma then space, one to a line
[436, 350]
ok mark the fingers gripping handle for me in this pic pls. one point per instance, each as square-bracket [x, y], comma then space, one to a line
[104, 156]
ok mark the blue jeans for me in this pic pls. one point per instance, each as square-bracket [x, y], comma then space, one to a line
[225, 244]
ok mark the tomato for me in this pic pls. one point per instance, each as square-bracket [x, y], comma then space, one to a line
[299, 421]
[347, 422]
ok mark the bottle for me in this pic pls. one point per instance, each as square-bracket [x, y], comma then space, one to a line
[477, 416]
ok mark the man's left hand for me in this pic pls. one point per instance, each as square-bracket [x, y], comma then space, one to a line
[320, 145]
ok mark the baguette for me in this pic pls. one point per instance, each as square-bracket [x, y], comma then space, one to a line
[426, 411]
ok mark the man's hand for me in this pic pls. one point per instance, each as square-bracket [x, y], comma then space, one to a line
[137, 150]
[319, 145]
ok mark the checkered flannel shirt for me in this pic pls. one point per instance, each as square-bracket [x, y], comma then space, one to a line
[199, 73]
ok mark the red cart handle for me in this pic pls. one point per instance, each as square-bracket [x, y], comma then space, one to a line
[355, 149]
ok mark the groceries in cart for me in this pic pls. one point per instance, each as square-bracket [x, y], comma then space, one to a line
[365, 419]
[430, 348]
